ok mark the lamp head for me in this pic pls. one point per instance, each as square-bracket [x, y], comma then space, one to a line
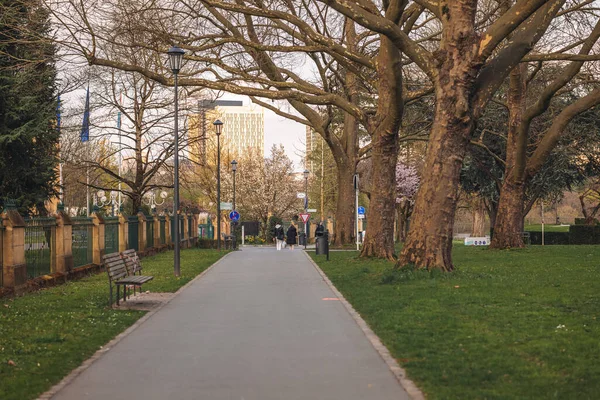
[306, 173]
[234, 165]
[175, 57]
[218, 127]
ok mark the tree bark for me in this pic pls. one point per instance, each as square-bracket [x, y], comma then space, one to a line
[379, 241]
[509, 219]
[429, 241]
[344, 213]
[403, 211]
[478, 228]
[346, 156]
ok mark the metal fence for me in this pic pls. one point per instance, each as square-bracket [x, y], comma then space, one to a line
[181, 222]
[40, 236]
[111, 235]
[83, 248]
[149, 232]
[163, 229]
[133, 239]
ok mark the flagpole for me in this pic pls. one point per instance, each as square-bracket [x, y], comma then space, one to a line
[60, 164]
[85, 137]
[87, 173]
[120, 150]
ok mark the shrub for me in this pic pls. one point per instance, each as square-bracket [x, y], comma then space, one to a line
[206, 243]
[254, 239]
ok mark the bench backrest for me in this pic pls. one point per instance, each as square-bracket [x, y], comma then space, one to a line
[132, 261]
[115, 266]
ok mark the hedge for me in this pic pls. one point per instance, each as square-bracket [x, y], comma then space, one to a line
[550, 237]
[584, 234]
[578, 234]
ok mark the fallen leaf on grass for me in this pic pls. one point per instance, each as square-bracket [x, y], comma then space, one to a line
[11, 363]
[456, 287]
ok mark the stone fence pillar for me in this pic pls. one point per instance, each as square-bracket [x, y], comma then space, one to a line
[123, 232]
[63, 254]
[157, 232]
[14, 269]
[98, 238]
[168, 223]
[141, 232]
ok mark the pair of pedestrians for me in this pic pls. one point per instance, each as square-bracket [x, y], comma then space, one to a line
[289, 237]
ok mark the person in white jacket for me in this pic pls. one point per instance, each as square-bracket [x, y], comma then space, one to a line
[279, 236]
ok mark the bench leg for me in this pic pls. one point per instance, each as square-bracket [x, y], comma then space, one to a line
[125, 293]
[118, 294]
[110, 294]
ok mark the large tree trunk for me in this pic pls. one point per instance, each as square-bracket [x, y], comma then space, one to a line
[344, 232]
[344, 213]
[509, 219]
[379, 241]
[478, 228]
[429, 241]
[403, 210]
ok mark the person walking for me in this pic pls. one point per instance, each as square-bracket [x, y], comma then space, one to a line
[320, 229]
[292, 232]
[279, 236]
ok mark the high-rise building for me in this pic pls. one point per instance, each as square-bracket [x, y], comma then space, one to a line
[312, 139]
[243, 128]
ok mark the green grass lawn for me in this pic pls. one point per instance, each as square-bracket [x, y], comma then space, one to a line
[517, 324]
[547, 228]
[49, 333]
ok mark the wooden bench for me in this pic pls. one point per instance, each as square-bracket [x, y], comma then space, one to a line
[134, 266]
[119, 275]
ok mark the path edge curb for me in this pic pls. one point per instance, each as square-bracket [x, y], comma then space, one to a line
[105, 348]
[399, 373]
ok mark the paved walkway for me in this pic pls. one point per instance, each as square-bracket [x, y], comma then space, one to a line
[255, 327]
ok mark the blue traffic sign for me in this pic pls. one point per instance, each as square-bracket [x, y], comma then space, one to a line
[234, 215]
[361, 210]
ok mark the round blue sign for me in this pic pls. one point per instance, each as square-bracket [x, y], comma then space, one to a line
[234, 215]
[361, 210]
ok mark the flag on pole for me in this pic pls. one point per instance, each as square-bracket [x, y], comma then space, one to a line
[85, 127]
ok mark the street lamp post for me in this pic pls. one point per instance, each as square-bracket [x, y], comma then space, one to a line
[306, 173]
[151, 199]
[234, 169]
[218, 129]
[101, 200]
[175, 57]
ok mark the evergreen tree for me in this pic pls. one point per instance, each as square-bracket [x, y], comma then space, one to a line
[28, 133]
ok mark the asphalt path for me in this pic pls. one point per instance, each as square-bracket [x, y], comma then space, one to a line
[254, 327]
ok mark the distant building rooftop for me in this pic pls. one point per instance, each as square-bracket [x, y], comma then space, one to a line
[210, 104]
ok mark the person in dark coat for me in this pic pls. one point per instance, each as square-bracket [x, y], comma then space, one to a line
[320, 229]
[292, 232]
